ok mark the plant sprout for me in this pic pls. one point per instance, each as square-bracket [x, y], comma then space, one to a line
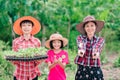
[27, 52]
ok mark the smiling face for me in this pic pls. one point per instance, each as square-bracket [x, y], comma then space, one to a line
[26, 28]
[56, 44]
[90, 28]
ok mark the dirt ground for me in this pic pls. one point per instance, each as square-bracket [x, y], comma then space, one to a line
[109, 72]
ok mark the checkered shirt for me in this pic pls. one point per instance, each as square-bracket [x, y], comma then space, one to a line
[26, 70]
[89, 46]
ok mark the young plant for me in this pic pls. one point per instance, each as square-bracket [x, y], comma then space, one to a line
[28, 52]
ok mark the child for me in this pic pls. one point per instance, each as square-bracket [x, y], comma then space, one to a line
[57, 58]
[26, 27]
[89, 49]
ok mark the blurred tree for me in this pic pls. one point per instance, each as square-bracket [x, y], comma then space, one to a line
[59, 16]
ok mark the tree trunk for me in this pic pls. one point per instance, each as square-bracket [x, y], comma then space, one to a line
[43, 35]
[11, 23]
[68, 33]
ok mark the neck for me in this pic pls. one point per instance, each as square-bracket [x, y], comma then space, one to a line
[27, 36]
[90, 36]
[57, 50]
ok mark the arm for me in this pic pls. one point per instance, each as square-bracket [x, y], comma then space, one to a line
[14, 45]
[38, 44]
[14, 48]
[98, 48]
[51, 65]
[80, 45]
[62, 64]
[80, 49]
[99, 45]
[63, 60]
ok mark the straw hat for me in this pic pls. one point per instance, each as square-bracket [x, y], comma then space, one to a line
[100, 24]
[56, 36]
[36, 28]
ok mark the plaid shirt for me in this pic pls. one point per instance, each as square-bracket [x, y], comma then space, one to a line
[25, 70]
[89, 46]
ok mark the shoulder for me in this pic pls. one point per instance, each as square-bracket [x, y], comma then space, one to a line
[49, 52]
[81, 37]
[35, 39]
[16, 40]
[64, 51]
[100, 39]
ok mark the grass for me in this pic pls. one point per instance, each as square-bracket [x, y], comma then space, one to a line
[117, 62]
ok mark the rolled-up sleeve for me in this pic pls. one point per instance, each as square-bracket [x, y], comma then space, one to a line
[14, 46]
[80, 43]
[99, 45]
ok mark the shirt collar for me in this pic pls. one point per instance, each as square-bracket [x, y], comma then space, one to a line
[85, 37]
[31, 38]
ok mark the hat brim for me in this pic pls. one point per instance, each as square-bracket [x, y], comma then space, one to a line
[47, 43]
[36, 28]
[100, 25]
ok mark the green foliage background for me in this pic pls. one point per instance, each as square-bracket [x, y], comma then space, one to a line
[61, 16]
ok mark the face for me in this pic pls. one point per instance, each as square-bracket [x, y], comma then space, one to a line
[90, 28]
[26, 28]
[56, 44]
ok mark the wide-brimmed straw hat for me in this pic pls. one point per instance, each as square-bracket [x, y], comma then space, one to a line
[56, 36]
[100, 24]
[36, 28]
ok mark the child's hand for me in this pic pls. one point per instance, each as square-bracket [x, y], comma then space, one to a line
[60, 59]
[62, 64]
[81, 53]
[55, 60]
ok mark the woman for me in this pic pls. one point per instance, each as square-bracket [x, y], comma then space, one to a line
[89, 49]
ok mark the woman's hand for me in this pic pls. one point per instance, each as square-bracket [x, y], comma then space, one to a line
[95, 55]
[81, 53]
